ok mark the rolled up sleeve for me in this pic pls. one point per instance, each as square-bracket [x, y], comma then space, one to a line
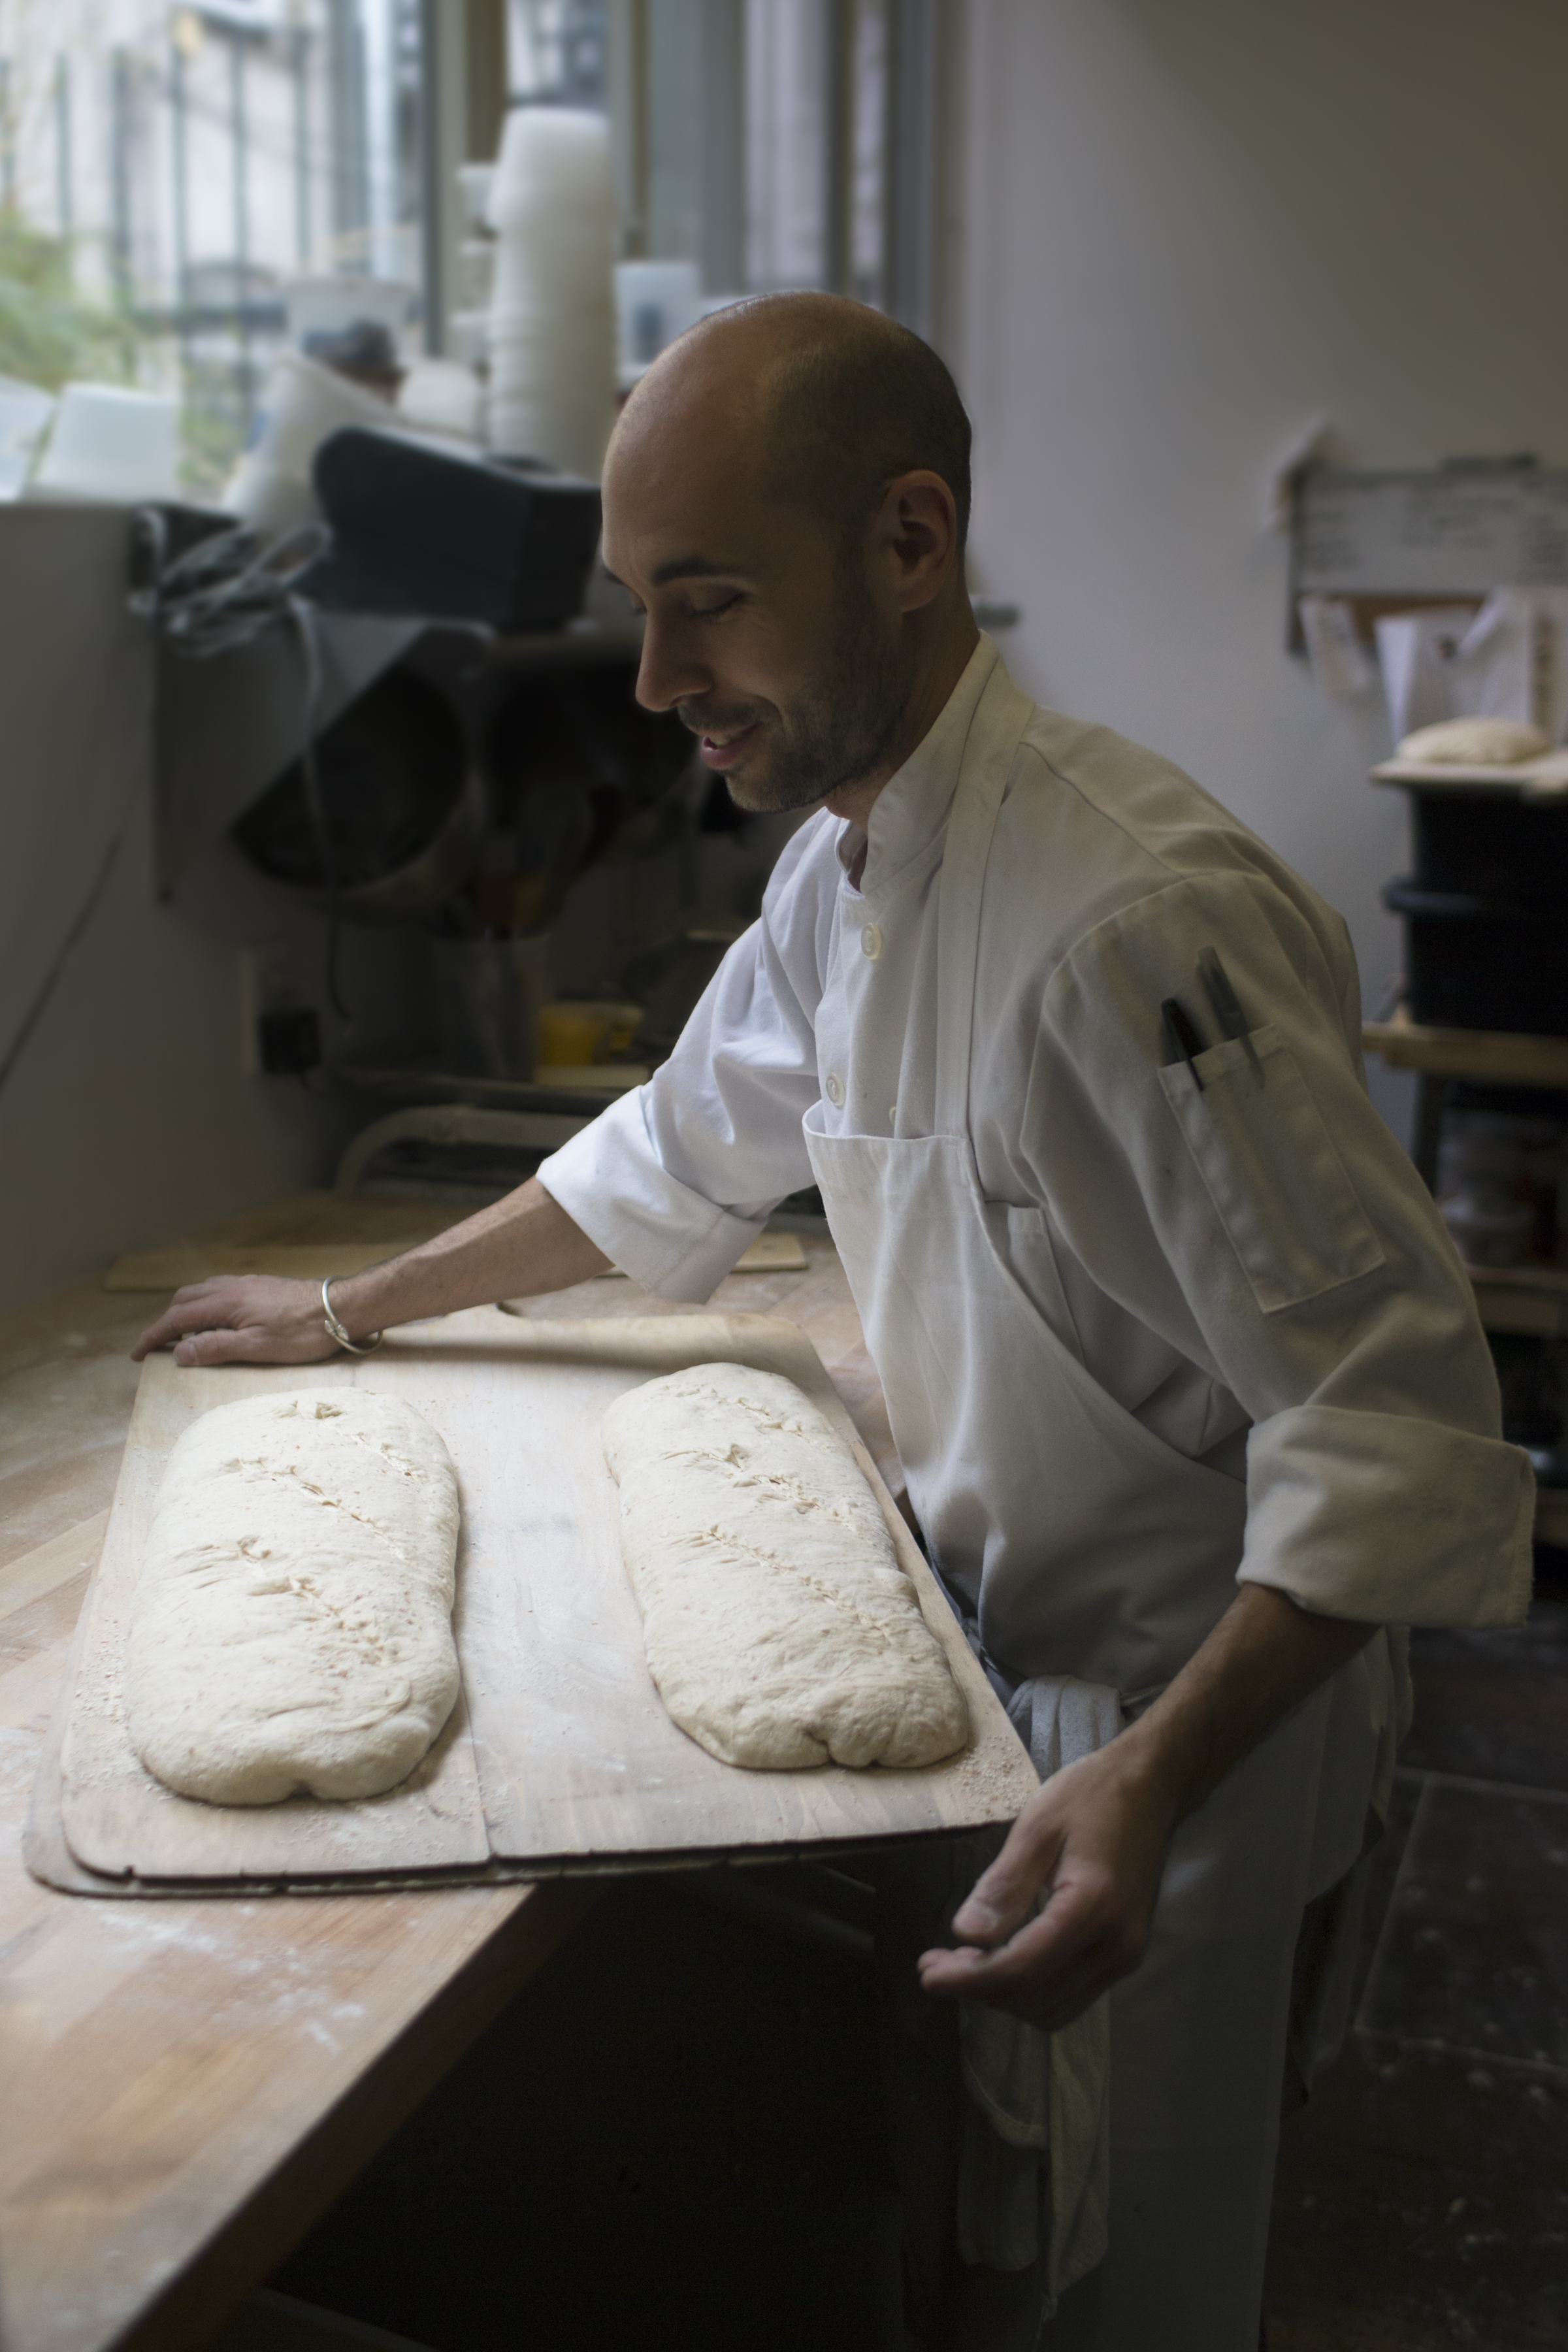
[674, 1181]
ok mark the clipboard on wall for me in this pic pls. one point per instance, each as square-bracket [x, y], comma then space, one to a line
[1397, 540]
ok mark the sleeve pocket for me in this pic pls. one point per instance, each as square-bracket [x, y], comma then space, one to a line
[1276, 1182]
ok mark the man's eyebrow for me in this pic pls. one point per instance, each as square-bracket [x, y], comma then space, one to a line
[683, 567]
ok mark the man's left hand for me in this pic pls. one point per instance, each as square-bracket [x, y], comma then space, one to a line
[1094, 1839]
[1093, 1842]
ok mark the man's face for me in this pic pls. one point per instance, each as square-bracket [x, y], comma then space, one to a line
[764, 634]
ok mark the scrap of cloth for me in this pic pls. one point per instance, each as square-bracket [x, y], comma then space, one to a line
[1001, 2134]
[1034, 2172]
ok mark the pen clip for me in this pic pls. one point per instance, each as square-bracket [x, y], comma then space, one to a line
[1226, 1006]
[1182, 1039]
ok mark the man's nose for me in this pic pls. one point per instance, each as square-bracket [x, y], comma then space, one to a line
[668, 670]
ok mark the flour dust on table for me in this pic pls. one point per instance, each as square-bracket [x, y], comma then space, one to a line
[291, 1627]
[781, 1631]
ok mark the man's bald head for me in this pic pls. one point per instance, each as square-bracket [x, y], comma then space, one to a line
[835, 401]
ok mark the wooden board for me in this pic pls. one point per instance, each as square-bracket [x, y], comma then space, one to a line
[184, 1262]
[1492, 1056]
[769, 1254]
[592, 1766]
[565, 1758]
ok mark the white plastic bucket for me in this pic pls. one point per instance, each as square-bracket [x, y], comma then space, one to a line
[302, 403]
[334, 306]
[111, 443]
[24, 413]
[556, 156]
[655, 301]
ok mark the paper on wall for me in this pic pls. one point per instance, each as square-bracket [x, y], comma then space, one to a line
[1341, 667]
[1417, 652]
[1513, 660]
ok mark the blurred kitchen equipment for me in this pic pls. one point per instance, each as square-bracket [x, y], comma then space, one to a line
[442, 396]
[427, 526]
[574, 1033]
[110, 442]
[476, 181]
[655, 301]
[489, 994]
[669, 977]
[451, 1151]
[24, 413]
[401, 806]
[574, 772]
[302, 403]
[552, 319]
[326, 313]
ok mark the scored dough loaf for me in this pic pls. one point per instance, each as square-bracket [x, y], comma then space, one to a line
[781, 1631]
[291, 1627]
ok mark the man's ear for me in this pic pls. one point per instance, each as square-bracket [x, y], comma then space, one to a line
[918, 528]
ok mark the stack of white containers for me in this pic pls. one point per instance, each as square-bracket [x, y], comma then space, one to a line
[552, 314]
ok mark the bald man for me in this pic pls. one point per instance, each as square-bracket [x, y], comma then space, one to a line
[1186, 1381]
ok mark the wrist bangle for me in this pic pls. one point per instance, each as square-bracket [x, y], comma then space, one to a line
[365, 1347]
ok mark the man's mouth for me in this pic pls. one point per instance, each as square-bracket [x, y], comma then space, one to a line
[720, 748]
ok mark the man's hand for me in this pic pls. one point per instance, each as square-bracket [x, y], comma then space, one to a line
[1093, 1842]
[524, 1244]
[1094, 1839]
[250, 1318]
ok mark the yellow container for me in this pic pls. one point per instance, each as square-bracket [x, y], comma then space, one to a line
[578, 1030]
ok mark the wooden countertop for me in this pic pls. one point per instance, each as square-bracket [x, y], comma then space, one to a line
[186, 2087]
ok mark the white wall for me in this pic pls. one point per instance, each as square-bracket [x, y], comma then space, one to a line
[1176, 231]
[126, 1119]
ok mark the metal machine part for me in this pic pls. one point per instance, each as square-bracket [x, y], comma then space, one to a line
[451, 1151]
[402, 804]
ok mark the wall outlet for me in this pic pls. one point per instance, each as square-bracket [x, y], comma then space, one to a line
[271, 986]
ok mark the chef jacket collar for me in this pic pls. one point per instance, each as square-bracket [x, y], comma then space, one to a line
[913, 805]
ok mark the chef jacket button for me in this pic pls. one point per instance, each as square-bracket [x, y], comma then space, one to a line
[871, 941]
[836, 1092]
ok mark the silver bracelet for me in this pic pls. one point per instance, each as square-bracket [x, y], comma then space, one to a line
[365, 1347]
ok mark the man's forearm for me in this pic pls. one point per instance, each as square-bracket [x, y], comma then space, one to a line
[521, 1246]
[1262, 1659]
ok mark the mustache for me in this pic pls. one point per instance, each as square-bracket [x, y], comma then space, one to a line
[710, 719]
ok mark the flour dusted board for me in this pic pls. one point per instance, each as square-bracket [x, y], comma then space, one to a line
[560, 1755]
[117, 1820]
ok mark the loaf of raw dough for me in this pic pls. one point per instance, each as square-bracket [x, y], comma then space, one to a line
[292, 1626]
[780, 1629]
[1476, 743]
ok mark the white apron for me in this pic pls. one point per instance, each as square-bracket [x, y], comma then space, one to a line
[1083, 1545]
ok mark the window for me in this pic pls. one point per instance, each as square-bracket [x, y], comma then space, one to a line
[165, 170]
[773, 142]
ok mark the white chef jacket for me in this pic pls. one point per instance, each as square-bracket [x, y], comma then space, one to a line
[1251, 1268]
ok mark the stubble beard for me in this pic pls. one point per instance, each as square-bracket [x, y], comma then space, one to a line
[847, 730]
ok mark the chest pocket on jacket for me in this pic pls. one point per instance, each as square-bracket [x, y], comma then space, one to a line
[1268, 1162]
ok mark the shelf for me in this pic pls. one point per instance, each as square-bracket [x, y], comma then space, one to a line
[1552, 1515]
[1529, 1300]
[1490, 1057]
[584, 1092]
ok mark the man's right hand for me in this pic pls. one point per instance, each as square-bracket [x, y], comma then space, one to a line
[520, 1248]
[248, 1318]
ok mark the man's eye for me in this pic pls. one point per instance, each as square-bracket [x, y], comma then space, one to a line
[708, 612]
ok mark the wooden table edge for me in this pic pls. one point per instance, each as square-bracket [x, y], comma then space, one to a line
[186, 2311]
